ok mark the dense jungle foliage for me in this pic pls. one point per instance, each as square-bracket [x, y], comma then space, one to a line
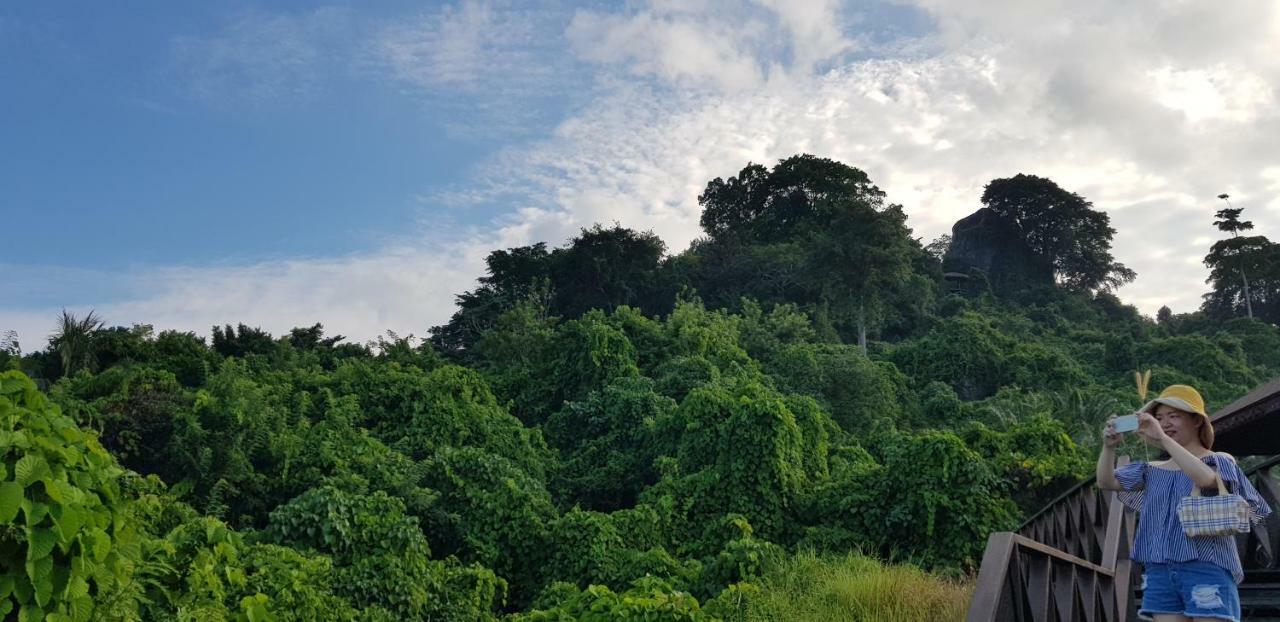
[603, 429]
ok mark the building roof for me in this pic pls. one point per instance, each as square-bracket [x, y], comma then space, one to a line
[1251, 424]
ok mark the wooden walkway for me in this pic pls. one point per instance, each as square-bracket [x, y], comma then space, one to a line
[1070, 561]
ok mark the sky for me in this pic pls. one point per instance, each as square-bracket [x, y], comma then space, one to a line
[186, 164]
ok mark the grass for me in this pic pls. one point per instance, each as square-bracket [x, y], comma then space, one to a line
[854, 587]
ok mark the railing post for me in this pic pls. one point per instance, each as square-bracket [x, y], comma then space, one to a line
[987, 605]
[1116, 536]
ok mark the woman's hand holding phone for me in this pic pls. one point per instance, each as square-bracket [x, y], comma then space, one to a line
[1110, 435]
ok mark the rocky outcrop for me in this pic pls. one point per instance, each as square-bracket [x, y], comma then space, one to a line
[987, 246]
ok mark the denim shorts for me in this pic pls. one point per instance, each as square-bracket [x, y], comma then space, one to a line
[1195, 589]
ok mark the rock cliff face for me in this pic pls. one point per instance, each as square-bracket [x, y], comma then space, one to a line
[984, 244]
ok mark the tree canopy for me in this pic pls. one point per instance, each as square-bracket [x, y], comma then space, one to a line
[1062, 228]
[601, 430]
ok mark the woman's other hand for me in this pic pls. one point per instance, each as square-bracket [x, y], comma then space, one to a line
[1110, 437]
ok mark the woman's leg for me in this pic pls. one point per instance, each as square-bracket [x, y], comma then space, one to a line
[1173, 617]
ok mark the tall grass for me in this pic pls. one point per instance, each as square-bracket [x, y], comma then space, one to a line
[854, 587]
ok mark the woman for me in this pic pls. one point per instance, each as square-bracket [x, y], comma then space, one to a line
[1186, 578]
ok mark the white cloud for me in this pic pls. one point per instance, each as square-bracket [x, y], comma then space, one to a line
[716, 44]
[462, 46]
[360, 296]
[1148, 110]
[506, 59]
[260, 56]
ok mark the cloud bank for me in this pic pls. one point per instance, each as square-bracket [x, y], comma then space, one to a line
[1149, 110]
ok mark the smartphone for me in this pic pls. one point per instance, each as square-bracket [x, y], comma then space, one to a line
[1126, 423]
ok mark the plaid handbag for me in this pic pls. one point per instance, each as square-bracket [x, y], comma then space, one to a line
[1223, 515]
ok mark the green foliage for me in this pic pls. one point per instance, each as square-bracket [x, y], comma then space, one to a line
[73, 341]
[813, 588]
[1034, 460]
[964, 351]
[854, 389]
[764, 335]
[591, 354]
[1258, 341]
[66, 548]
[381, 557]
[185, 355]
[133, 409]
[605, 444]
[490, 512]
[931, 498]
[940, 407]
[242, 341]
[1196, 360]
[419, 412]
[707, 417]
[218, 576]
[739, 451]
[649, 599]
[815, 232]
[1233, 261]
[1062, 228]
[590, 548]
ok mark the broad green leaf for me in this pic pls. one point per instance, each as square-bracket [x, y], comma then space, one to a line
[6, 606]
[10, 501]
[10, 385]
[60, 491]
[40, 542]
[69, 523]
[6, 585]
[35, 511]
[21, 587]
[255, 608]
[81, 608]
[101, 545]
[29, 469]
[41, 574]
[76, 588]
[54, 491]
[30, 613]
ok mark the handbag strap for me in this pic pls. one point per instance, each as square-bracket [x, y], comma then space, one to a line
[1222, 487]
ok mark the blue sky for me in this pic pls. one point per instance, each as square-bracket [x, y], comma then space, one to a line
[186, 164]
[133, 149]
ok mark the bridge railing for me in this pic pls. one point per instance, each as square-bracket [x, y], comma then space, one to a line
[1079, 522]
[1258, 548]
[1025, 580]
[1070, 561]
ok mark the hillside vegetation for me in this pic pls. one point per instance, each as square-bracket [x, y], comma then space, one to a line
[792, 419]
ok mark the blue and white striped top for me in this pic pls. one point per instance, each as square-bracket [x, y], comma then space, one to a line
[1155, 492]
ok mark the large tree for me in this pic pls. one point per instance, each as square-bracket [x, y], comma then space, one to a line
[1229, 221]
[73, 341]
[1062, 228]
[511, 275]
[608, 267]
[814, 232]
[1229, 259]
[602, 268]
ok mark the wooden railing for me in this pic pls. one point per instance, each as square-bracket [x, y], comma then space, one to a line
[1041, 583]
[1258, 548]
[1070, 561]
[1079, 521]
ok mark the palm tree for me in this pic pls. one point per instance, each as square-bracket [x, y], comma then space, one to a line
[73, 339]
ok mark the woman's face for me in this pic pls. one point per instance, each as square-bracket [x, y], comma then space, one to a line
[1182, 427]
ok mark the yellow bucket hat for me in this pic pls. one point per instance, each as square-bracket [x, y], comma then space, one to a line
[1187, 400]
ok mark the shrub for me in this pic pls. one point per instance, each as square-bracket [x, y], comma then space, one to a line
[73, 551]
